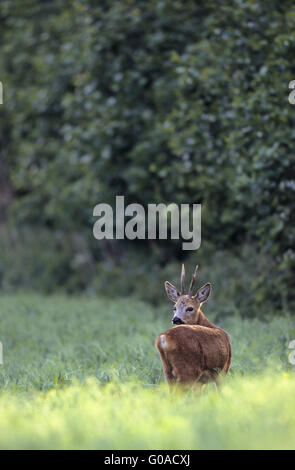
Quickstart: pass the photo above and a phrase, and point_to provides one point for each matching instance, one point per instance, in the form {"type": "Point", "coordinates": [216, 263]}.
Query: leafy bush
{"type": "Point", "coordinates": [160, 102]}
{"type": "Point", "coordinates": [47, 262]}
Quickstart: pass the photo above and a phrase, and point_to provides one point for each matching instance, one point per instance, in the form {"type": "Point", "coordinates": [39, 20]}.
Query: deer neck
{"type": "Point", "coordinates": [203, 321]}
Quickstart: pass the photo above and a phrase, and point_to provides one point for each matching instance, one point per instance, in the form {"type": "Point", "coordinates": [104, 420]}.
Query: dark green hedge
{"type": "Point", "coordinates": [162, 101]}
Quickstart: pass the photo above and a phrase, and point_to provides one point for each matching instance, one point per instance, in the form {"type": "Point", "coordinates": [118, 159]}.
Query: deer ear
{"type": "Point", "coordinates": [203, 293]}
{"type": "Point", "coordinates": [171, 291]}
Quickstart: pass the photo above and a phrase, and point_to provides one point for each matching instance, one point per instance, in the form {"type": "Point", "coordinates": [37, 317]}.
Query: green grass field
{"type": "Point", "coordinates": [84, 373]}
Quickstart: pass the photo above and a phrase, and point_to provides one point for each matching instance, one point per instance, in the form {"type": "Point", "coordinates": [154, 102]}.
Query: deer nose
{"type": "Point", "coordinates": [177, 321]}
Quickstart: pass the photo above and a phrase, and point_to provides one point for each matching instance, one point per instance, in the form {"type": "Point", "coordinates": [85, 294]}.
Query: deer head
{"type": "Point", "coordinates": [187, 307]}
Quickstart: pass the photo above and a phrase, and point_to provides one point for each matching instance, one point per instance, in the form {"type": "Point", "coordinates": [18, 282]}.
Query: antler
{"type": "Point", "coordinates": [193, 281]}
{"type": "Point", "coordinates": [182, 279]}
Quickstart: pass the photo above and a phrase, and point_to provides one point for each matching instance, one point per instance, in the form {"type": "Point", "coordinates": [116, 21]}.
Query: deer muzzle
{"type": "Point", "coordinates": [177, 321]}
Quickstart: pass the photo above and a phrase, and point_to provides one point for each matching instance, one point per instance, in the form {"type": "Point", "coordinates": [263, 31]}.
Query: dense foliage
{"type": "Point", "coordinates": [160, 101]}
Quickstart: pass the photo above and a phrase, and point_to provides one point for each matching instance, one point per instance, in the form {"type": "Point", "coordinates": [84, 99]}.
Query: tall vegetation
{"type": "Point", "coordinates": [84, 373]}
{"type": "Point", "coordinates": [160, 101]}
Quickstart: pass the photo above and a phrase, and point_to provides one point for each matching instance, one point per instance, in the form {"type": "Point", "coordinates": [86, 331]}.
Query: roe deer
{"type": "Point", "coordinates": [195, 350]}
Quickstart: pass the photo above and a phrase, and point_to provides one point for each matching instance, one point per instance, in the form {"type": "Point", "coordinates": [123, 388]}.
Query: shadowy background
{"type": "Point", "coordinates": [159, 101]}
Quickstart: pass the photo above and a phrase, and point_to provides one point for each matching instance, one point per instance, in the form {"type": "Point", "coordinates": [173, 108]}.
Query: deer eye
{"type": "Point", "coordinates": [174, 309]}
{"type": "Point", "coordinates": [189, 309]}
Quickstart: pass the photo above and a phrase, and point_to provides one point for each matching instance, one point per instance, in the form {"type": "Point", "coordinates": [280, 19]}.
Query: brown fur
{"type": "Point", "coordinates": [196, 350]}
